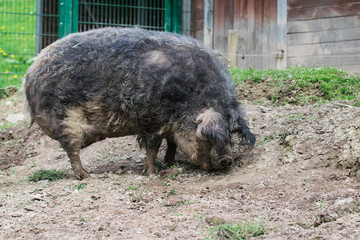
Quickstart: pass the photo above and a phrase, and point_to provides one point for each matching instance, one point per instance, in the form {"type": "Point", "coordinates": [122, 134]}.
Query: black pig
{"type": "Point", "coordinates": [114, 82]}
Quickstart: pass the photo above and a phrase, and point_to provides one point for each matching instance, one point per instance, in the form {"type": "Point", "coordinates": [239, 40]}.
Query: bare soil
{"type": "Point", "coordinates": [302, 180]}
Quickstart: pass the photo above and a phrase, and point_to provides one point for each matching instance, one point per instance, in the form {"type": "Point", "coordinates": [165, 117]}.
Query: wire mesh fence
{"type": "Point", "coordinates": [17, 39]}
{"type": "Point", "coordinates": [141, 13]}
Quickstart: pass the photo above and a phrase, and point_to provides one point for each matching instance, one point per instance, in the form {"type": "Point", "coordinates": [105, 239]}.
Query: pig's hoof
{"type": "Point", "coordinates": [148, 173]}
{"type": "Point", "coordinates": [82, 175]}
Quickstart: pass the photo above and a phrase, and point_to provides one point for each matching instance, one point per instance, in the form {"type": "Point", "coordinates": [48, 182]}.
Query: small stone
{"type": "Point", "coordinates": [14, 118]}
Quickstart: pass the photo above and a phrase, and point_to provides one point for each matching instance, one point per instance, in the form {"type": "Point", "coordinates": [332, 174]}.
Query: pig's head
{"type": "Point", "coordinates": [209, 146]}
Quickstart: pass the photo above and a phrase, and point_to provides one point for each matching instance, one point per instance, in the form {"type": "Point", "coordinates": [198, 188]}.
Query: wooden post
{"type": "Point", "coordinates": [281, 34]}
{"type": "Point", "coordinates": [208, 23]}
{"type": "Point", "coordinates": [39, 25]}
{"type": "Point", "coordinates": [233, 47]}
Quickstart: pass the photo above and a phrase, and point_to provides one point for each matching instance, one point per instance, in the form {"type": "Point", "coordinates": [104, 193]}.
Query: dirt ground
{"type": "Point", "coordinates": [302, 180]}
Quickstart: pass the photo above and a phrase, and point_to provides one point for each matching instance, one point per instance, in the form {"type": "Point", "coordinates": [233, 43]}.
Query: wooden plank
{"type": "Point", "coordinates": [265, 44]}
{"type": "Point", "coordinates": [324, 24]}
{"type": "Point", "coordinates": [241, 25]}
{"type": "Point", "coordinates": [318, 3]}
{"type": "Point", "coordinates": [259, 5]}
{"type": "Point", "coordinates": [351, 68]}
{"type": "Point", "coordinates": [323, 60]}
{"type": "Point", "coordinates": [209, 23]}
{"type": "Point", "coordinates": [272, 35]}
{"type": "Point", "coordinates": [232, 47]}
{"type": "Point", "coordinates": [324, 36]}
{"type": "Point", "coordinates": [250, 38]}
{"type": "Point", "coordinates": [223, 21]}
{"type": "Point", "coordinates": [281, 36]}
{"type": "Point", "coordinates": [197, 22]}
{"type": "Point", "coordinates": [333, 48]}
{"type": "Point", "coordinates": [296, 14]}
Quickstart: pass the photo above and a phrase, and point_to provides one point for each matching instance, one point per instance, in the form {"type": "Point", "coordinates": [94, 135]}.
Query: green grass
{"type": "Point", "coordinates": [301, 85]}
{"type": "Point", "coordinates": [17, 40]}
{"type": "Point", "coordinates": [51, 175]}
{"type": "Point", "coordinates": [240, 231]}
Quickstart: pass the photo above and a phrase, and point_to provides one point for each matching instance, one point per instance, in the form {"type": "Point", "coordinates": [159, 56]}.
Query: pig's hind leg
{"type": "Point", "coordinates": [170, 152]}
{"type": "Point", "coordinates": [77, 134]}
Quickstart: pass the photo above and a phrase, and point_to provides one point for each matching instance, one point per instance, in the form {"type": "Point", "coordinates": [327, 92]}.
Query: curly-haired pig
{"type": "Point", "coordinates": [114, 82]}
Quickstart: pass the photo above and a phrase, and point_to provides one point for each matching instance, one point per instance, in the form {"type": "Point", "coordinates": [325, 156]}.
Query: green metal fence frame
{"type": "Point", "coordinates": [69, 16]}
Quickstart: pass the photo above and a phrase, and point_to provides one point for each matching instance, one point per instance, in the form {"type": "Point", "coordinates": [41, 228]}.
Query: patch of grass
{"type": "Point", "coordinates": [300, 85]}
{"type": "Point", "coordinates": [238, 231]}
{"type": "Point", "coordinates": [51, 175]}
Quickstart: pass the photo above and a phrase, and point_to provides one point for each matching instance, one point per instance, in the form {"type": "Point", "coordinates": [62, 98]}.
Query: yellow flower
{"type": "Point", "coordinates": [4, 53]}
{"type": "Point", "coordinates": [25, 39]}
{"type": "Point", "coordinates": [12, 55]}
{"type": "Point", "coordinates": [6, 71]}
{"type": "Point", "coordinates": [16, 65]}
{"type": "Point", "coordinates": [1, 51]}
{"type": "Point", "coordinates": [24, 75]}
{"type": "Point", "coordinates": [15, 76]}
{"type": "Point", "coordinates": [22, 28]}
{"type": "Point", "coordinates": [2, 27]}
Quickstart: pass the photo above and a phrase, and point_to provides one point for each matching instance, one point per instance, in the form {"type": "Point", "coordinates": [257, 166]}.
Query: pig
{"type": "Point", "coordinates": [114, 82]}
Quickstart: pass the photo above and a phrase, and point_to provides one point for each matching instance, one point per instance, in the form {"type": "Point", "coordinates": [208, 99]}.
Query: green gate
{"type": "Point", "coordinates": [27, 26]}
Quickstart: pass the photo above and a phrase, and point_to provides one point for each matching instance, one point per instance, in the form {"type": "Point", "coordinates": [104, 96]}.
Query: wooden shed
{"type": "Point", "coordinates": [273, 34]}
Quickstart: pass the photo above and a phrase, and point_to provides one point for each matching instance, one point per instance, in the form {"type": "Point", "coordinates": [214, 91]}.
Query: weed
{"type": "Point", "coordinates": [13, 170]}
{"type": "Point", "coordinates": [266, 139]}
{"type": "Point", "coordinates": [182, 203]}
{"type": "Point", "coordinates": [295, 117]}
{"type": "Point", "coordinates": [159, 164]}
{"type": "Point", "coordinates": [172, 191]}
{"type": "Point", "coordinates": [80, 186]}
{"type": "Point", "coordinates": [82, 219]}
{"type": "Point", "coordinates": [132, 188]}
{"type": "Point", "coordinates": [165, 184]}
{"type": "Point", "coordinates": [172, 176]}
{"type": "Point", "coordinates": [198, 215]}
{"type": "Point", "coordinates": [238, 231]}
{"type": "Point", "coordinates": [51, 175]}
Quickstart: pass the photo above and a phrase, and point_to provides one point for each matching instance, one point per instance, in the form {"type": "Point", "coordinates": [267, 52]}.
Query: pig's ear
{"type": "Point", "coordinates": [212, 127]}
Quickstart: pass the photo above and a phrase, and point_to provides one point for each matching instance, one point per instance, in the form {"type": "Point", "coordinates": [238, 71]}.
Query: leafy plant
{"type": "Point", "coordinates": [51, 175]}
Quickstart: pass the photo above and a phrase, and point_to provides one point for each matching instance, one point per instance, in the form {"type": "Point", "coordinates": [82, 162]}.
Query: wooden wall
{"type": "Point", "coordinates": [255, 21]}
{"type": "Point", "coordinates": [324, 33]}
{"type": "Point", "coordinates": [197, 19]}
